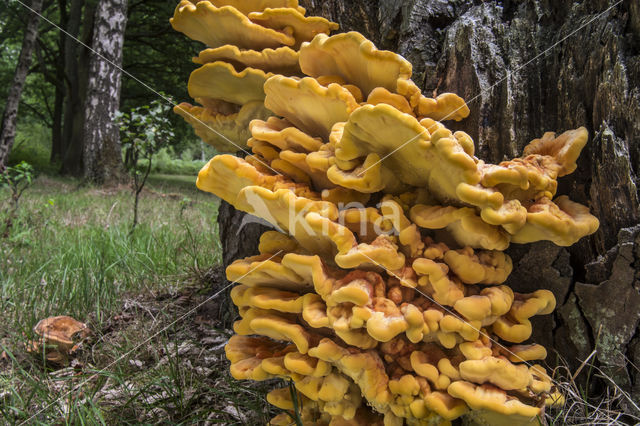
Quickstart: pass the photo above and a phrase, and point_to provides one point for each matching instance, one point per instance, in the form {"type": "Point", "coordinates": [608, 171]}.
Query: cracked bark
{"type": "Point", "coordinates": [521, 77]}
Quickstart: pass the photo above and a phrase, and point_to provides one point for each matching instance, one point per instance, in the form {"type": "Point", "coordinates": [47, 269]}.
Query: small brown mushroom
{"type": "Point", "coordinates": [58, 338]}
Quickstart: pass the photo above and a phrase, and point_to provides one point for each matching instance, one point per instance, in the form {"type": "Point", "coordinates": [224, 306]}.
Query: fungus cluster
{"type": "Point", "coordinates": [248, 41]}
{"type": "Point", "coordinates": [380, 294]}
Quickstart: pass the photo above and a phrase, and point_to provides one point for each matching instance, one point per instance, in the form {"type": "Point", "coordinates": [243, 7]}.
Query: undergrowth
{"type": "Point", "coordinates": [153, 356]}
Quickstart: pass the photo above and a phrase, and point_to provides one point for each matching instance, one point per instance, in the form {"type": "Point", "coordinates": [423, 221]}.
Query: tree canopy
{"type": "Point", "coordinates": [153, 54]}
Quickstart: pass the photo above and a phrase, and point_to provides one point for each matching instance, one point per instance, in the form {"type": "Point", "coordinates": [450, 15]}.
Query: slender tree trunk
{"type": "Point", "coordinates": [58, 108]}
{"type": "Point", "coordinates": [55, 79]}
{"type": "Point", "coordinates": [138, 186]}
{"type": "Point", "coordinates": [10, 116]}
{"type": "Point", "coordinates": [102, 152]}
{"type": "Point", "coordinates": [56, 128]}
{"type": "Point", "coordinates": [72, 101]}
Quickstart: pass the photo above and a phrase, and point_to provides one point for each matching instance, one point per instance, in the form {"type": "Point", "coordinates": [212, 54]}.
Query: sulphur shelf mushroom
{"type": "Point", "coordinates": [382, 291]}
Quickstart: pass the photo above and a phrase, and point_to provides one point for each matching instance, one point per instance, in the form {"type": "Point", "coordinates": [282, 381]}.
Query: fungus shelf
{"type": "Point", "coordinates": [381, 292]}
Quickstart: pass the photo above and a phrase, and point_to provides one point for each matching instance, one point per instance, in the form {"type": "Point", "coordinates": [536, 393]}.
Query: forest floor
{"type": "Point", "coordinates": [154, 354]}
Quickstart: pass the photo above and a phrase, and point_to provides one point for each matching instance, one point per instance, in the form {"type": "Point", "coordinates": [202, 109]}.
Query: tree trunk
{"type": "Point", "coordinates": [102, 152]}
{"type": "Point", "coordinates": [56, 128]}
{"type": "Point", "coordinates": [58, 109]}
{"type": "Point", "coordinates": [70, 52]}
{"type": "Point", "coordinates": [520, 77]}
{"type": "Point", "coordinates": [10, 115]}
{"type": "Point", "coordinates": [73, 128]}
{"type": "Point", "coordinates": [73, 151]}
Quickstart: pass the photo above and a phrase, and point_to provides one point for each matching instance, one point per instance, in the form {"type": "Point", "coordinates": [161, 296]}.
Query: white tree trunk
{"type": "Point", "coordinates": [10, 116]}
{"type": "Point", "coordinates": [102, 153]}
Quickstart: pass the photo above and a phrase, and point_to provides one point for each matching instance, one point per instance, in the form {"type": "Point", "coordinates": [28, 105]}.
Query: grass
{"type": "Point", "coordinates": [609, 406]}
{"type": "Point", "coordinates": [71, 247]}
{"type": "Point", "coordinates": [154, 355]}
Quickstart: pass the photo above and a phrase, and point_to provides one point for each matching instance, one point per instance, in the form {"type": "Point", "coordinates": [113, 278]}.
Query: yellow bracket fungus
{"type": "Point", "coordinates": [382, 292]}
{"type": "Point", "coordinates": [356, 60]}
{"type": "Point", "coordinates": [307, 104]}
{"type": "Point", "coordinates": [228, 132]}
{"type": "Point", "coordinates": [291, 21]}
{"type": "Point", "coordinates": [219, 80]}
{"type": "Point", "coordinates": [217, 26]}
{"type": "Point", "coordinates": [282, 60]}
{"type": "Point", "coordinates": [247, 6]}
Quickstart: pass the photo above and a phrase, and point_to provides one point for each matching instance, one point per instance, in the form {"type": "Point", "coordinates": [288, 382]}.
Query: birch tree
{"type": "Point", "coordinates": [102, 152]}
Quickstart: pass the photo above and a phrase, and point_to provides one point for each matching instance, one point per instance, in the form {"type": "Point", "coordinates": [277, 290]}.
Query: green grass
{"type": "Point", "coordinates": [70, 252]}
{"type": "Point", "coordinates": [155, 355]}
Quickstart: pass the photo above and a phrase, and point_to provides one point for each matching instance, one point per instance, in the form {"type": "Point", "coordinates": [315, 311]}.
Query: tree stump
{"type": "Point", "coordinates": [525, 68]}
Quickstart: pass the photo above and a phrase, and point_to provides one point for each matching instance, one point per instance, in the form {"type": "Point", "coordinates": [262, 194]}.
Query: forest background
{"type": "Point", "coordinates": [51, 111]}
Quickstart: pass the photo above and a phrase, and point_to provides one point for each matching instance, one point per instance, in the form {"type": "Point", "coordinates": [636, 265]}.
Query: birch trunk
{"type": "Point", "coordinates": [102, 153]}
{"type": "Point", "coordinates": [10, 115]}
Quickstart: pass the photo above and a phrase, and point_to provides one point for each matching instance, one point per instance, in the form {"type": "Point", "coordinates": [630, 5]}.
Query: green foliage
{"type": "Point", "coordinates": [10, 42]}
{"type": "Point", "coordinates": [165, 162]}
{"type": "Point", "coordinates": [165, 156]}
{"type": "Point", "coordinates": [144, 130]}
{"type": "Point", "coordinates": [33, 145]}
{"type": "Point", "coordinates": [161, 57]}
{"type": "Point", "coordinates": [179, 167]}
{"type": "Point", "coordinates": [153, 52]}
{"type": "Point", "coordinates": [16, 179]}
{"type": "Point", "coordinates": [36, 102]}
{"type": "Point", "coordinates": [187, 155]}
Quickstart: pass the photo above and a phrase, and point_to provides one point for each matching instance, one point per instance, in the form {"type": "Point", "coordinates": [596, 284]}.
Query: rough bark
{"type": "Point", "coordinates": [73, 140]}
{"type": "Point", "coordinates": [521, 77]}
{"type": "Point", "coordinates": [10, 115]}
{"type": "Point", "coordinates": [101, 152]}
